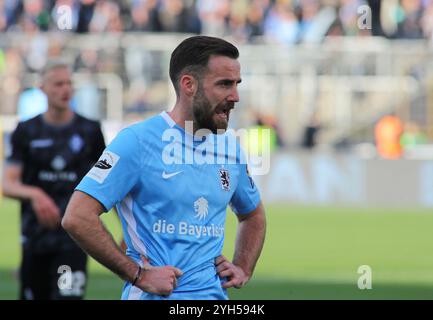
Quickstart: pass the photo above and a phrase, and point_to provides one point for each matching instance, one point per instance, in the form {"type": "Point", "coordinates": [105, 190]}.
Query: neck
{"type": "Point", "coordinates": [180, 114]}
{"type": "Point", "coordinates": [58, 116]}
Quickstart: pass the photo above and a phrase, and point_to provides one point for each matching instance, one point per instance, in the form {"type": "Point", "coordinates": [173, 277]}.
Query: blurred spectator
{"type": "Point", "coordinates": [348, 15]}
{"type": "Point", "coordinates": [315, 20]}
{"type": "Point", "coordinates": [270, 121]}
{"type": "Point", "coordinates": [237, 20]}
{"type": "Point", "coordinates": [106, 17]}
{"type": "Point", "coordinates": [238, 27]}
{"type": "Point", "coordinates": [255, 143]}
{"type": "Point", "coordinates": [256, 17]}
{"type": "Point", "coordinates": [87, 60]}
{"type": "Point", "coordinates": [85, 15]}
{"type": "Point", "coordinates": [3, 17]}
{"type": "Point", "coordinates": [36, 15]}
{"type": "Point", "coordinates": [138, 97]}
{"type": "Point", "coordinates": [412, 136]}
{"type": "Point", "coordinates": [260, 140]}
{"type": "Point", "coordinates": [10, 10]}
{"type": "Point", "coordinates": [173, 16]}
{"type": "Point", "coordinates": [311, 131]}
{"type": "Point", "coordinates": [144, 14]}
{"type": "Point", "coordinates": [388, 133]}
{"type": "Point", "coordinates": [427, 22]}
{"type": "Point", "coordinates": [281, 24]}
{"type": "Point", "coordinates": [376, 13]}
{"type": "Point", "coordinates": [37, 52]}
{"type": "Point", "coordinates": [214, 16]}
{"type": "Point", "coordinates": [409, 17]}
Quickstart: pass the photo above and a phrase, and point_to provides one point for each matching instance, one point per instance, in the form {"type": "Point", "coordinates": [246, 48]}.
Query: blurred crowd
{"type": "Point", "coordinates": [285, 21]}
{"type": "Point", "coordinates": [29, 39]}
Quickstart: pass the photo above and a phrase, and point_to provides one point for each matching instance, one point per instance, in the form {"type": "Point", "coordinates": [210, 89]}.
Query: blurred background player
{"type": "Point", "coordinates": [50, 154]}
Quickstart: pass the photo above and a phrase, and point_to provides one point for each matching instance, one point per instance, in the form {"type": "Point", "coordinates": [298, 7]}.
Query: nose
{"type": "Point", "coordinates": [234, 95]}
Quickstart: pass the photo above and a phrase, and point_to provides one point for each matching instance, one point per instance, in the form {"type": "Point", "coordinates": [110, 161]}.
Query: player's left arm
{"type": "Point", "coordinates": [249, 243]}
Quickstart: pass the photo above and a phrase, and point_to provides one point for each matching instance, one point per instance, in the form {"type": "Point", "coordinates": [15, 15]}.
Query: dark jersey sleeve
{"type": "Point", "coordinates": [99, 143]}
{"type": "Point", "coordinates": [18, 146]}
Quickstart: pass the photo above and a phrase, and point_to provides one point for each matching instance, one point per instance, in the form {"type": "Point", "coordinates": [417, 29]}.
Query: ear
{"type": "Point", "coordinates": [188, 85]}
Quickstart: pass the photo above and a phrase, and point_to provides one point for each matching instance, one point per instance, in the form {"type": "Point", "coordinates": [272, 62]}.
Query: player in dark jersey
{"type": "Point", "coordinates": [50, 155]}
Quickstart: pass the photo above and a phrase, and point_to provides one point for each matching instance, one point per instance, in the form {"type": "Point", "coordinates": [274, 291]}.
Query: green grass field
{"type": "Point", "coordinates": [310, 253]}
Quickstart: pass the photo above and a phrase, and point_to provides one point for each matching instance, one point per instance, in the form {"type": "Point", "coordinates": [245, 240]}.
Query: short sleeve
{"type": "Point", "coordinates": [115, 173]}
{"type": "Point", "coordinates": [19, 146]}
{"type": "Point", "coordinates": [246, 197]}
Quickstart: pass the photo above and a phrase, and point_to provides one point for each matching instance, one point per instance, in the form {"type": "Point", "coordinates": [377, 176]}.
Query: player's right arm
{"type": "Point", "coordinates": [47, 212]}
{"type": "Point", "coordinates": [106, 184]}
{"type": "Point", "coordinates": [82, 222]}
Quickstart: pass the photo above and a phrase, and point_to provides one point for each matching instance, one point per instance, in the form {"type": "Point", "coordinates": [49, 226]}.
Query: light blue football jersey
{"type": "Point", "coordinates": [171, 193]}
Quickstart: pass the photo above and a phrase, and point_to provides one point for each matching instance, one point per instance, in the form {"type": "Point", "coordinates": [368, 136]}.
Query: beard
{"type": "Point", "coordinates": [206, 117]}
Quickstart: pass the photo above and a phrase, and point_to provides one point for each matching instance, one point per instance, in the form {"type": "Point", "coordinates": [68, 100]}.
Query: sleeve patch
{"type": "Point", "coordinates": [103, 167]}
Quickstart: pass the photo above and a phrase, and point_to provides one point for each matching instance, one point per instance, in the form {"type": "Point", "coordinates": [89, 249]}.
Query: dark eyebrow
{"type": "Point", "coordinates": [228, 81]}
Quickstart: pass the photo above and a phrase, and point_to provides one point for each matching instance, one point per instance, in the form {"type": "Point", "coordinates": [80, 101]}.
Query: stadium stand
{"type": "Point", "coordinates": [301, 56]}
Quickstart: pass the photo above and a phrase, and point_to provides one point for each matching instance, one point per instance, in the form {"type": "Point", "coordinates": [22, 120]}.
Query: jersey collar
{"type": "Point", "coordinates": [171, 123]}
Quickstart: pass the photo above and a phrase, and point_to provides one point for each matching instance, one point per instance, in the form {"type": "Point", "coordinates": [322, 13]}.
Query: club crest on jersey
{"type": "Point", "coordinates": [76, 143]}
{"type": "Point", "coordinates": [225, 179]}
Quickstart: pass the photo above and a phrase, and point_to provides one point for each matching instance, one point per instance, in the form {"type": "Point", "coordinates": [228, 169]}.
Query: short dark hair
{"type": "Point", "coordinates": [192, 56]}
